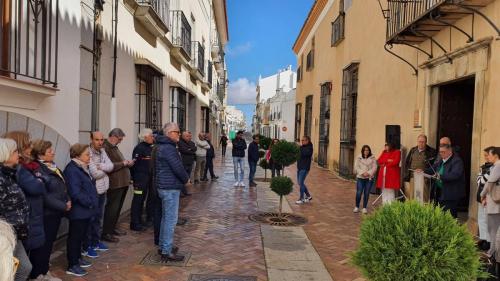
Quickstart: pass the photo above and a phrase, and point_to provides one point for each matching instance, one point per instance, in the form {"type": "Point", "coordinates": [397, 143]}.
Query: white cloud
{"type": "Point", "coordinates": [242, 91]}
{"type": "Point", "coordinates": [239, 49]}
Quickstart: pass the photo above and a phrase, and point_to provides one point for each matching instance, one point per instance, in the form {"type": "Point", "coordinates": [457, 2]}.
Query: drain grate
{"type": "Point", "coordinates": [153, 258]}
{"type": "Point", "coordinates": [274, 219]}
{"type": "Point", "coordinates": [204, 277]}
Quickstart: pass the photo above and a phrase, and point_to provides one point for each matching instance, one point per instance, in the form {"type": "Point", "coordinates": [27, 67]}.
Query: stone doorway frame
{"type": "Point", "coordinates": [471, 60]}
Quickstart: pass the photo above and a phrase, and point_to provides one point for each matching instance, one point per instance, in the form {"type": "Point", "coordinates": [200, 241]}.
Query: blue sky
{"type": "Point", "coordinates": [261, 35]}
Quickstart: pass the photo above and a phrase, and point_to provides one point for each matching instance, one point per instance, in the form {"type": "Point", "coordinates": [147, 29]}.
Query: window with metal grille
{"type": "Point", "coordinates": [178, 107]}
{"type": "Point", "coordinates": [149, 98]}
{"type": "Point", "coordinates": [310, 60]}
{"type": "Point", "coordinates": [308, 116]}
{"type": "Point", "coordinates": [29, 38]}
{"type": "Point", "coordinates": [338, 29]}
{"type": "Point", "coordinates": [348, 120]}
{"type": "Point", "coordinates": [298, 115]}
{"type": "Point", "coordinates": [205, 119]}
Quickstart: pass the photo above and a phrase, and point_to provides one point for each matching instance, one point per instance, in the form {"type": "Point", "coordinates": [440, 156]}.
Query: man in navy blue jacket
{"type": "Point", "coordinates": [169, 177]}
{"type": "Point", "coordinates": [253, 158]}
{"type": "Point", "coordinates": [239, 146]}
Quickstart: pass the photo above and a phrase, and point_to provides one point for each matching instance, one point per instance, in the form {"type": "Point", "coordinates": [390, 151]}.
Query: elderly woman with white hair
{"type": "Point", "coordinates": [141, 176]}
{"type": "Point", "coordinates": [13, 206]}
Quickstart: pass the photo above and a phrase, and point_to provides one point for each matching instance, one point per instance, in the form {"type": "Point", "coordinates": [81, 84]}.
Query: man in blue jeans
{"type": "Point", "coordinates": [253, 158]}
{"type": "Point", "coordinates": [239, 146]}
{"type": "Point", "coordinates": [169, 178]}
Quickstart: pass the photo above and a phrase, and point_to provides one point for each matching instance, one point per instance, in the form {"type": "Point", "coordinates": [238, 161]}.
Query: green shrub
{"type": "Point", "coordinates": [262, 153]}
{"type": "Point", "coordinates": [411, 242]}
{"type": "Point", "coordinates": [281, 186]}
{"type": "Point", "coordinates": [264, 165]}
{"type": "Point", "coordinates": [285, 153]}
{"type": "Point", "coordinates": [264, 142]}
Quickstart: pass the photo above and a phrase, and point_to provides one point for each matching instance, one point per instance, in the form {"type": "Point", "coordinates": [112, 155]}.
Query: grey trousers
{"type": "Point", "coordinates": [24, 269]}
{"type": "Point", "coordinates": [493, 224]}
{"type": "Point", "coordinates": [200, 167]}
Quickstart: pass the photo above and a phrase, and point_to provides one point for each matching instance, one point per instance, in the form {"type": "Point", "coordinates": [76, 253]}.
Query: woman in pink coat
{"type": "Point", "coordinates": [389, 175]}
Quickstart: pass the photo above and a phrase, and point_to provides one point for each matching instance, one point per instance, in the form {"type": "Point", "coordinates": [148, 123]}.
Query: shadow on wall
{"type": "Point", "coordinates": [10, 121]}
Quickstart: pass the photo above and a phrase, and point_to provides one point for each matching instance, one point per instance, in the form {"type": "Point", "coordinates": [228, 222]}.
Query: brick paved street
{"type": "Point", "coordinates": [223, 241]}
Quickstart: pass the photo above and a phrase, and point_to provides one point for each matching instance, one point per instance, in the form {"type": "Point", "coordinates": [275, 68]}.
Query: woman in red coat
{"type": "Point", "coordinates": [389, 173]}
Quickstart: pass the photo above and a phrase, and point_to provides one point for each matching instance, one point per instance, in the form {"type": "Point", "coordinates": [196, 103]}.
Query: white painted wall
{"type": "Point", "coordinates": [284, 79]}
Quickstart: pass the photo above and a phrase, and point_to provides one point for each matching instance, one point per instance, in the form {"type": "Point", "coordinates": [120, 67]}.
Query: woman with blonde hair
{"type": "Point", "coordinates": [13, 206]}
{"type": "Point", "coordinates": [7, 245]}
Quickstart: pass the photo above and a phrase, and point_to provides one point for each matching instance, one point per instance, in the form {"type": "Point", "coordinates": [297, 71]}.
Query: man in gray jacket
{"type": "Point", "coordinates": [201, 157]}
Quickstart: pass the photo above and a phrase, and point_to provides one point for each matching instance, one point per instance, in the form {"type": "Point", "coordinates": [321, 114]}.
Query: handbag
{"type": "Point", "coordinates": [495, 191]}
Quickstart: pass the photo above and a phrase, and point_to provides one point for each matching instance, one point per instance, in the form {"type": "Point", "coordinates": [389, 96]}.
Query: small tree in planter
{"type": "Point", "coordinates": [264, 142]}
{"type": "Point", "coordinates": [281, 186]}
{"type": "Point", "coordinates": [411, 242]}
{"type": "Point", "coordinates": [262, 153]}
{"type": "Point", "coordinates": [285, 153]}
{"type": "Point", "coordinates": [264, 165]}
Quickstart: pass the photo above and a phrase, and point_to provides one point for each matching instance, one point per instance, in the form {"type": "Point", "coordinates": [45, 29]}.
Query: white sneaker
{"type": "Point", "coordinates": [356, 210]}
{"type": "Point", "coordinates": [50, 277]}
{"type": "Point", "coordinates": [242, 184]}
{"type": "Point", "coordinates": [236, 184]}
{"type": "Point", "coordinates": [365, 211]}
{"type": "Point", "coordinates": [300, 202]}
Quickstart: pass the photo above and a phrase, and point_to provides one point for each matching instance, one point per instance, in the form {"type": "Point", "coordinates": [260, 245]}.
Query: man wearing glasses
{"type": "Point", "coordinates": [169, 178]}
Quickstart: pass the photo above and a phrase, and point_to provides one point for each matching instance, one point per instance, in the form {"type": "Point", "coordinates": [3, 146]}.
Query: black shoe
{"type": "Point", "coordinates": [182, 221]}
{"type": "Point", "coordinates": [119, 232]}
{"type": "Point", "coordinates": [215, 177]}
{"type": "Point", "coordinates": [175, 249]}
{"type": "Point", "coordinates": [110, 238]}
{"type": "Point", "coordinates": [147, 224]}
{"type": "Point", "coordinates": [138, 227]}
{"type": "Point", "coordinates": [172, 258]}
{"type": "Point", "coordinates": [204, 180]}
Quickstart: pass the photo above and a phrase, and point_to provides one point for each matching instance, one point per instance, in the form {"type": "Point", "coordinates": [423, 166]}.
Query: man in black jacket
{"type": "Point", "coordinates": [239, 146]}
{"type": "Point", "coordinates": [253, 158]}
{"type": "Point", "coordinates": [450, 178]}
{"type": "Point", "coordinates": [209, 167]}
{"type": "Point", "coordinates": [187, 149]}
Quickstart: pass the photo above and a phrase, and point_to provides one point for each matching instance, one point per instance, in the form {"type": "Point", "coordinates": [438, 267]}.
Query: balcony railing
{"type": "Point", "coordinates": [29, 37]}
{"type": "Point", "coordinates": [198, 57]}
{"type": "Point", "coordinates": [209, 73]}
{"type": "Point", "coordinates": [181, 32]}
{"type": "Point", "coordinates": [221, 92]}
{"type": "Point", "coordinates": [161, 8]}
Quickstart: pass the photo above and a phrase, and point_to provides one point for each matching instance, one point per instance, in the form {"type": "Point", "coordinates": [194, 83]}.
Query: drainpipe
{"type": "Point", "coordinates": [113, 97]}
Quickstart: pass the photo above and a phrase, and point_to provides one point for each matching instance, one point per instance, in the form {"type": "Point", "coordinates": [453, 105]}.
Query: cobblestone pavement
{"type": "Point", "coordinates": [332, 228]}
{"type": "Point", "coordinates": [219, 235]}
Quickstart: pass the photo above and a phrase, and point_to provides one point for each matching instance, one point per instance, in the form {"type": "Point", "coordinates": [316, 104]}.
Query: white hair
{"type": "Point", "coordinates": [7, 245]}
{"type": "Point", "coordinates": [169, 127]}
{"type": "Point", "coordinates": [144, 133]}
{"type": "Point", "coordinates": [7, 147]}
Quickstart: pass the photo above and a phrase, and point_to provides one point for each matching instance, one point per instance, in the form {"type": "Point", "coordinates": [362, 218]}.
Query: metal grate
{"type": "Point", "coordinates": [348, 120]}
{"type": "Point", "coordinates": [324, 124]}
{"type": "Point", "coordinates": [274, 219]}
{"type": "Point", "coordinates": [181, 32]}
{"type": "Point", "coordinates": [308, 116]}
{"type": "Point", "coordinates": [153, 258]}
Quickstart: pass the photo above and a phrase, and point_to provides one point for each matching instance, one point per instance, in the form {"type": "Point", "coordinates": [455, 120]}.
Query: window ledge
{"type": "Point", "coordinates": [22, 94]}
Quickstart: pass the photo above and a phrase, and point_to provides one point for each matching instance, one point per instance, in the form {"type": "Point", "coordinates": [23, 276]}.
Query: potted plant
{"type": "Point", "coordinates": [264, 165]}
{"type": "Point", "coordinates": [281, 186]}
{"type": "Point", "coordinates": [264, 142]}
{"type": "Point", "coordinates": [410, 241]}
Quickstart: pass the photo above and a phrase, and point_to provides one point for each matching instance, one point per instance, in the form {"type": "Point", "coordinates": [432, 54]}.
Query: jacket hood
{"type": "Point", "coordinates": [164, 140]}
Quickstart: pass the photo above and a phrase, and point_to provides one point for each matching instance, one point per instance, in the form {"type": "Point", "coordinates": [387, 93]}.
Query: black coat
{"type": "Point", "coordinates": [430, 155]}
{"type": "Point", "coordinates": [210, 151]}
{"type": "Point", "coordinates": [187, 151]}
{"type": "Point", "coordinates": [239, 146]}
{"type": "Point", "coordinates": [253, 152]}
{"type": "Point", "coordinates": [56, 197]}
{"type": "Point", "coordinates": [141, 171]}
{"type": "Point", "coordinates": [453, 178]}
{"type": "Point", "coordinates": [13, 205]}
{"type": "Point", "coordinates": [306, 152]}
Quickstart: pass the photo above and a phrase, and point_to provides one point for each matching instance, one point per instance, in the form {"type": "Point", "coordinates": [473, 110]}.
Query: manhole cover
{"type": "Point", "coordinates": [274, 219]}
{"type": "Point", "coordinates": [153, 258]}
{"type": "Point", "coordinates": [203, 277]}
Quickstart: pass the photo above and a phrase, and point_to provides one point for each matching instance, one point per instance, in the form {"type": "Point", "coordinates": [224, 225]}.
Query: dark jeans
{"type": "Point", "coordinates": [140, 193]}
{"type": "Point", "coordinates": [450, 205]}
{"type": "Point", "coordinates": [209, 167]}
{"type": "Point", "coordinates": [95, 224]}
{"type": "Point", "coordinates": [253, 168]}
{"type": "Point", "coordinates": [363, 187]}
{"type": "Point", "coordinates": [150, 208]}
{"type": "Point", "coordinates": [301, 178]}
{"type": "Point", "coordinates": [114, 204]}
{"type": "Point", "coordinates": [275, 171]}
{"type": "Point", "coordinates": [76, 235]}
{"type": "Point", "coordinates": [224, 150]}
{"type": "Point", "coordinates": [40, 257]}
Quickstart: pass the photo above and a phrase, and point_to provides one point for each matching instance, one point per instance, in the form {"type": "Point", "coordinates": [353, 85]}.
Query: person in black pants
{"type": "Point", "coordinates": [56, 203]}
{"type": "Point", "coordinates": [209, 167]}
{"type": "Point", "coordinates": [187, 148]}
{"type": "Point", "coordinates": [83, 194]}
{"type": "Point", "coordinates": [141, 176]}
{"type": "Point", "coordinates": [223, 143]}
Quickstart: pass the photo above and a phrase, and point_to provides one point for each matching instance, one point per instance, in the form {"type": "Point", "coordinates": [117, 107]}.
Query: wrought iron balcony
{"type": "Point", "coordinates": [153, 14]}
{"type": "Point", "coordinates": [198, 60]}
{"type": "Point", "coordinates": [207, 83]}
{"type": "Point", "coordinates": [414, 21]}
{"type": "Point", "coordinates": [181, 36]}
{"type": "Point", "coordinates": [29, 32]}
